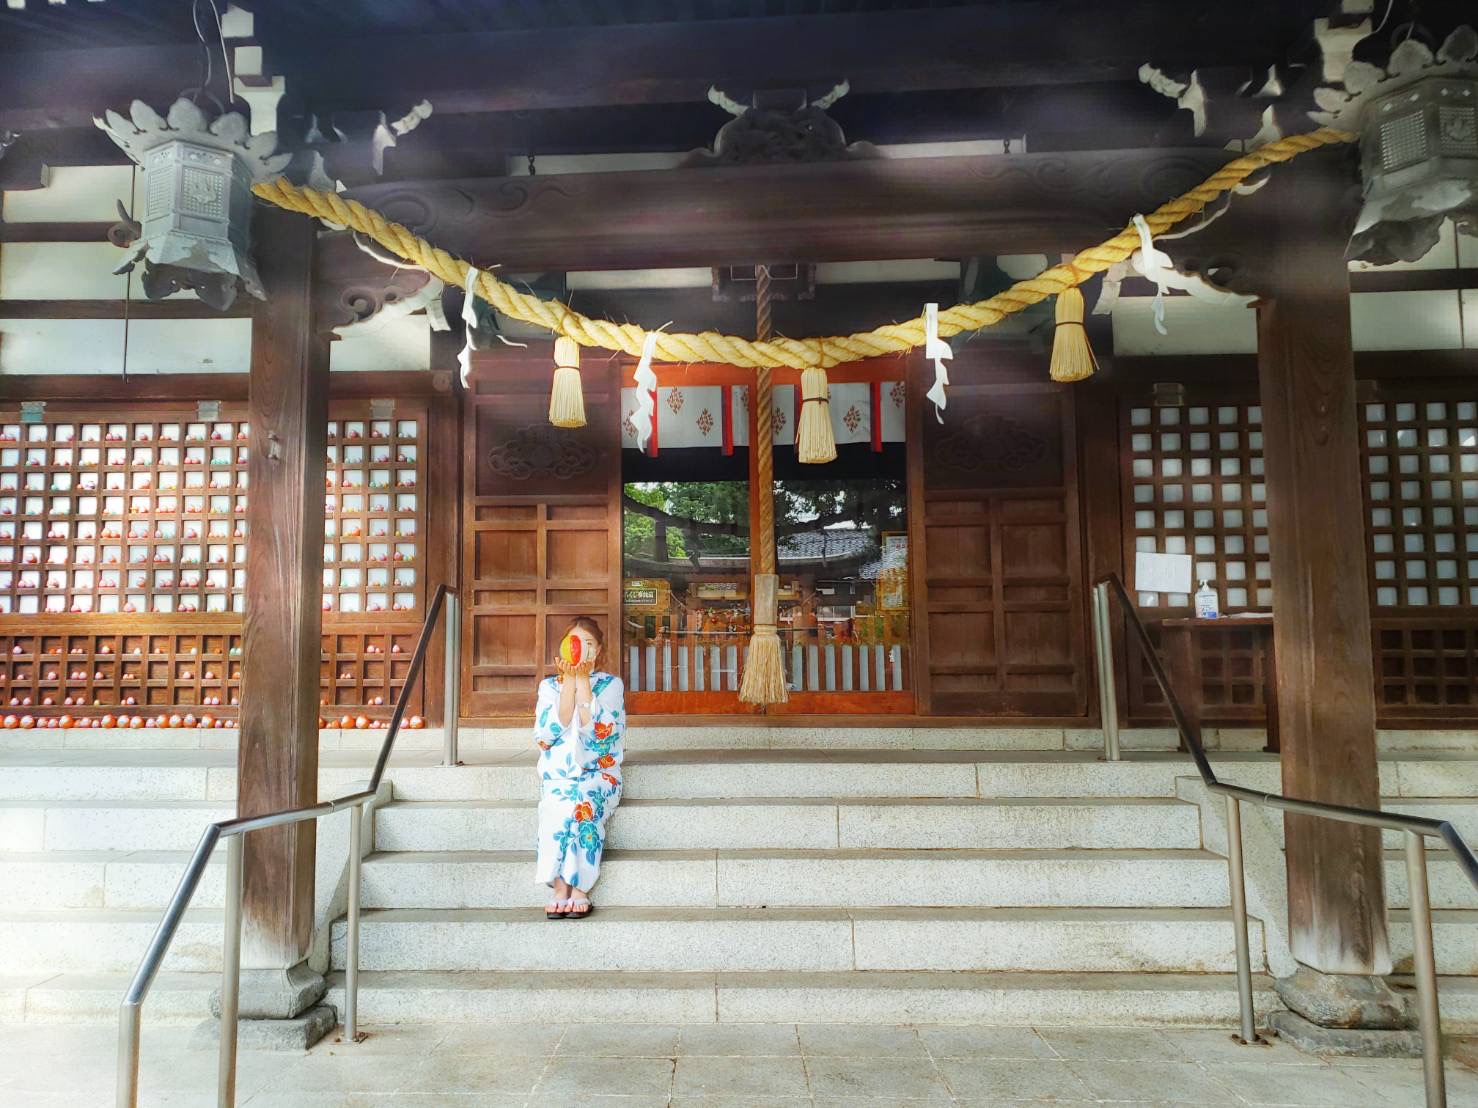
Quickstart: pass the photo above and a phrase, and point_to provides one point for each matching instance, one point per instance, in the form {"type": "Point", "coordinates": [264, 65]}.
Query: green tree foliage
{"type": "Point", "coordinates": [873, 505]}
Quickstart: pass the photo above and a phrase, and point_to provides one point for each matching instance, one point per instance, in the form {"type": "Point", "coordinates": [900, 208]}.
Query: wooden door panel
{"type": "Point", "coordinates": [542, 530]}
{"type": "Point", "coordinates": [1002, 580]}
{"type": "Point", "coordinates": [577, 555]}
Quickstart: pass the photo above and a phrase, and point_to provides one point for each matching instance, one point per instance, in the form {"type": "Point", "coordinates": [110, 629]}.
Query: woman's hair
{"type": "Point", "coordinates": [588, 625]}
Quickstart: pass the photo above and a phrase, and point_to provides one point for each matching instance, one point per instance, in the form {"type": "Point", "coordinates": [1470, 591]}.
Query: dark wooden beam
{"type": "Point", "coordinates": [835, 309]}
{"type": "Point", "coordinates": [1101, 115]}
{"type": "Point", "coordinates": [183, 308]}
{"type": "Point", "coordinates": [1395, 280]}
{"type": "Point", "coordinates": [973, 46]}
{"type": "Point", "coordinates": [25, 165]}
{"type": "Point", "coordinates": [1217, 370]}
{"type": "Point", "coordinates": [1413, 280]}
{"type": "Point", "coordinates": [277, 759]}
{"type": "Point", "coordinates": [54, 232]}
{"type": "Point", "coordinates": [44, 89]}
{"type": "Point", "coordinates": [1321, 592]}
{"type": "Point", "coordinates": [835, 211]}
{"type": "Point", "coordinates": [1001, 45]}
{"type": "Point", "coordinates": [154, 387]}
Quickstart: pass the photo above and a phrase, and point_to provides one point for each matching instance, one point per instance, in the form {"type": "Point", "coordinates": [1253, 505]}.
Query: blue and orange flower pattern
{"type": "Point", "coordinates": [579, 780]}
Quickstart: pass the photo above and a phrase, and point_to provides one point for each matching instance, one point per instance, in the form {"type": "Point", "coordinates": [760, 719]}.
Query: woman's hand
{"type": "Point", "coordinates": [564, 669]}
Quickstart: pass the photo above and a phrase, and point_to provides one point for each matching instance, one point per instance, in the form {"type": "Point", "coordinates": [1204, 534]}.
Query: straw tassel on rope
{"type": "Point", "coordinates": [764, 668]}
{"type": "Point", "coordinates": [1072, 357]}
{"type": "Point", "coordinates": [566, 399]}
{"type": "Point", "coordinates": [814, 441]}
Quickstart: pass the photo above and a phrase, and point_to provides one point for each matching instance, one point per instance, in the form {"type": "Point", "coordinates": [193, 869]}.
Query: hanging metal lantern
{"type": "Point", "coordinates": [197, 178]}
{"type": "Point", "coordinates": [1418, 126]}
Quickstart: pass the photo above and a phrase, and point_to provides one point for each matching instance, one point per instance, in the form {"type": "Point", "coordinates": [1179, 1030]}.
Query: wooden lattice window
{"type": "Point", "coordinates": [1195, 486]}
{"type": "Point", "coordinates": [139, 516]}
{"type": "Point", "coordinates": [105, 515]}
{"type": "Point", "coordinates": [1419, 456]}
{"type": "Point", "coordinates": [1421, 485]}
{"type": "Point", "coordinates": [373, 504]}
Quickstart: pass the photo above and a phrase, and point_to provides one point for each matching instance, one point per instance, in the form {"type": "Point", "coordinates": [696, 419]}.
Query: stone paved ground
{"type": "Point", "coordinates": [465, 1065]}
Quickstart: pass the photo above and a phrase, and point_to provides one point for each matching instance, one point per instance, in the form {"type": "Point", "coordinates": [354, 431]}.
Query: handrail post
{"type": "Point", "coordinates": [1237, 879]}
{"type": "Point", "coordinates": [1426, 971]}
{"type": "Point", "coordinates": [351, 952]}
{"type": "Point", "coordinates": [1103, 646]}
{"type": "Point", "coordinates": [451, 699]}
{"type": "Point", "coordinates": [231, 972]}
{"type": "Point", "coordinates": [128, 1055]}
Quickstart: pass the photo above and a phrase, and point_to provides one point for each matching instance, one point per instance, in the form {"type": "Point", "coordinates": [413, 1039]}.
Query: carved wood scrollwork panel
{"type": "Point", "coordinates": [517, 452]}
{"type": "Point", "coordinates": [995, 441]}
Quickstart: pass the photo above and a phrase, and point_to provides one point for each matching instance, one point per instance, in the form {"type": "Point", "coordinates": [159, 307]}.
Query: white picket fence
{"type": "Point", "coordinates": [687, 664]}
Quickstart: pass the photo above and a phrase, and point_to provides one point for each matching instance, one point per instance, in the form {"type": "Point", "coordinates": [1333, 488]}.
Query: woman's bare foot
{"type": "Point", "coordinates": [579, 903]}
{"type": "Point", "coordinates": [558, 901]}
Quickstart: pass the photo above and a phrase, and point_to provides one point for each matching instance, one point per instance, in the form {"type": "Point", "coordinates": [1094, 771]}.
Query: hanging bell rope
{"type": "Point", "coordinates": [770, 352]}
{"type": "Point", "coordinates": [566, 398]}
{"type": "Point", "coordinates": [764, 667]}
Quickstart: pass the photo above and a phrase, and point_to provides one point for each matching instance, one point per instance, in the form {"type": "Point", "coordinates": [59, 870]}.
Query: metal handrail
{"type": "Point", "coordinates": [1416, 829]}
{"type": "Point", "coordinates": [234, 831]}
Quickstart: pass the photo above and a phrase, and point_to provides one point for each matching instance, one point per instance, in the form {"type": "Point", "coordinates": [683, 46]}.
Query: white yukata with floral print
{"type": "Point", "coordinates": [579, 780]}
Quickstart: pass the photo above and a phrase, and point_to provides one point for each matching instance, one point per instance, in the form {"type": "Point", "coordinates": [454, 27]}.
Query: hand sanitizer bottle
{"type": "Point", "coordinates": [1206, 602]}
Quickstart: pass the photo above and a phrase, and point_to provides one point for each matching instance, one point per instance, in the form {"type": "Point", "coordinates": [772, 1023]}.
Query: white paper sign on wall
{"type": "Point", "coordinates": [1162, 572]}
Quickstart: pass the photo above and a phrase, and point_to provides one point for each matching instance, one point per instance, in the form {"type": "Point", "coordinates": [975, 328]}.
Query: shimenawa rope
{"type": "Point", "coordinates": [710, 346]}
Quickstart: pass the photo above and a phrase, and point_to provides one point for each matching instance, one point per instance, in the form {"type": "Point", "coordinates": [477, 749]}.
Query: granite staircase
{"type": "Point", "coordinates": [744, 885]}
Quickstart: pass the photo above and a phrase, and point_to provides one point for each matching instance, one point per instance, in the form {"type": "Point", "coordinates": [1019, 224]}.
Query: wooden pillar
{"type": "Point", "coordinates": [1096, 416]}
{"type": "Point", "coordinates": [277, 760]}
{"type": "Point", "coordinates": [1326, 694]}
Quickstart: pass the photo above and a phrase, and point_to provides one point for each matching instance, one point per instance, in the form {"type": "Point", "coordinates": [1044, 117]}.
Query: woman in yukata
{"type": "Point", "coordinates": [579, 724]}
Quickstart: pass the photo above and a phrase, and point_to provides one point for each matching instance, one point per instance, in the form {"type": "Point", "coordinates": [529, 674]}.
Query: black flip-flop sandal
{"type": "Point", "coordinates": [581, 915]}
{"type": "Point", "coordinates": [557, 915]}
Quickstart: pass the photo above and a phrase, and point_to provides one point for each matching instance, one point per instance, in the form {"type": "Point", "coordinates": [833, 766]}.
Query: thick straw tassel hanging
{"type": "Point", "coordinates": [764, 668]}
{"type": "Point", "coordinates": [814, 441]}
{"type": "Point", "coordinates": [1072, 357]}
{"type": "Point", "coordinates": [566, 400]}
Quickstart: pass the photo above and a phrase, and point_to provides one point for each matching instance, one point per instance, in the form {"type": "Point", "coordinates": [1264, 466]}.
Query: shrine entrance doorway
{"type": "Point", "coordinates": [689, 496]}
{"type": "Point", "coordinates": [933, 569]}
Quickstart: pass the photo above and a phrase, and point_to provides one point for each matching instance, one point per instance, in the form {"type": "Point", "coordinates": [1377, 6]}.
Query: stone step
{"type": "Point", "coordinates": [47, 880]}
{"type": "Point", "coordinates": [177, 999]}
{"type": "Point", "coordinates": [211, 774]}
{"type": "Point", "coordinates": [747, 732]}
{"type": "Point", "coordinates": [665, 940]}
{"type": "Point", "coordinates": [145, 879]}
{"type": "Point", "coordinates": [1447, 884]}
{"type": "Point", "coordinates": [801, 878]}
{"type": "Point", "coordinates": [1046, 999]}
{"type": "Point", "coordinates": [1454, 941]}
{"type": "Point", "coordinates": [851, 997]}
{"type": "Point", "coordinates": [104, 941]}
{"type": "Point", "coordinates": [809, 824]}
{"type": "Point", "coordinates": [27, 825]}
